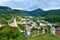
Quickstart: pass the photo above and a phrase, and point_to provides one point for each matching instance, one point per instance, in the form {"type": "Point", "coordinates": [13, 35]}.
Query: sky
{"type": "Point", "coordinates": [31, 4]}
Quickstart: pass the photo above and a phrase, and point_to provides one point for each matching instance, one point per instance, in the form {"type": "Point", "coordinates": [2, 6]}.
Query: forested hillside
{"type": "Point", "coordinates": [7, 13]}
{"type": "Point", "coordinates": [13, 33]}
{"type": "Point", "coordinates": [53, 15]}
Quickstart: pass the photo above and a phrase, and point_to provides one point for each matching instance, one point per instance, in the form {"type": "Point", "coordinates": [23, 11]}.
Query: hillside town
{"type": "Point", "coordinates": [29, 19]}
{"type": "Point", "coordinates": [39, 26]}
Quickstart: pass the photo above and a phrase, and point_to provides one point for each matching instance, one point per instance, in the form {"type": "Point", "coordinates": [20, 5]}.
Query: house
{"type": "Point", "coordinates": [44, 27]}
{"type": "Point", "coordinates": [13, 24]}
{"type": "Point", "coordinates": [57, 29]}
{"type": "Point", "coordinates": [29, 17]}
{"type": "Point", "coordinates": [1, 25]}
{"type": "Point", "coordinates": [22, 21]}
{"type": "Point", "coordinates": [53, 30]}
{"type": "Point", "coordinates": [27, 30]}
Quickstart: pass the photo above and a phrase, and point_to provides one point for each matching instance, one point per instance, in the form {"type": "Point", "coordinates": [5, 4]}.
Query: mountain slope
{"type": "Point", "coordinates": [52, 15]}
{"type": "Point", "coordinates": [37, 12]}
{"type": "Point", "coordinates": [7, 13]}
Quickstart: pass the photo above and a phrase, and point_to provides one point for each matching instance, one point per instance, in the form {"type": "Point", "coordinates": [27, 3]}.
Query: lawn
{"type": "Point", "coordinates": [46, 36]}
{"type": "Point", "coordinates": [9, 33]}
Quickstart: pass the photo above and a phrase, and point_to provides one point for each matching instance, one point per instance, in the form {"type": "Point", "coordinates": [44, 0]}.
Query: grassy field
{"type": "Point", "coordinates": [45, 37]}
{"type": "Point", "coordinates": [9, 33]}
{"type": "Point", "coordinates": [40, 37]}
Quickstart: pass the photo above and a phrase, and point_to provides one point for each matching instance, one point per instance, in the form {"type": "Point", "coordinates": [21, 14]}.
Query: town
{"type": "Point", "coordinates": [34, 27]}
{"type": "Point", "coordinates": [29, 19]}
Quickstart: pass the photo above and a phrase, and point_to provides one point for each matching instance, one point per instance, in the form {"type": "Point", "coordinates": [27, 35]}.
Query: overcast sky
{"type": "Point", "coordinates": [31, 4]}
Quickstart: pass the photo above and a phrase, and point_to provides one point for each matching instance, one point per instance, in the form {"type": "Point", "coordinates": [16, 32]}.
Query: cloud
{"type": "Point", "coordinates": [31, 4]}
{"type": "Point", "coordinates": [24, 4]}
{"type": "Point", "coordinates": [2, 2]}
{"type": "Point", "coordinates": [52, 4]}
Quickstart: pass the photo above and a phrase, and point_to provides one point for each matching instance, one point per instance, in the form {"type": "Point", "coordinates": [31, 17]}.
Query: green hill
{"type": "Point", "coordinates": [52, 15]}
{"type": "Point", "coordinates": [7, 13]}
{"type": "Point", "coordinates": [9, 33]}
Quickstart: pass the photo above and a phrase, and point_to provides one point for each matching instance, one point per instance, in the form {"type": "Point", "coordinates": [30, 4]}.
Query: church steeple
{"type": "Point", "coordinates": [15, 23]}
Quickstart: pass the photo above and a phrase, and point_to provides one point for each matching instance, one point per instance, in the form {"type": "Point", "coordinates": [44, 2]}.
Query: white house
{"type": "Point", "coordinates": [53, 30]}
{"type": "Point", "coordinates": [13, 24]}
{"type": "Point", "coordinates": [22, 21]}
{"type": "Point", "coordinates": [27, 30]}
{"type": "Point", "coordinates": [1, 25]}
